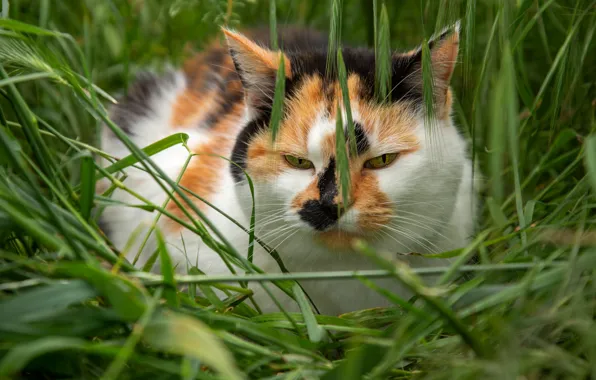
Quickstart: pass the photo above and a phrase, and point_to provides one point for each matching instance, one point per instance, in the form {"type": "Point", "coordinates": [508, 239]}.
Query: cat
{"type": "Point", "coordinates": [411, 190]}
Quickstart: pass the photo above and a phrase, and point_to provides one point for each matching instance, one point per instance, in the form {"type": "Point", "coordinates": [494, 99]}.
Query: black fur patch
{"type": "Point", "coordinates": [327, 184]}
{"type": "Point", "coordinates": [136, 103]}
{"type": "Point", "coordinates": [359, 61]}
{"type": "Point", "coordinates": [240, 150]}
{"type": "Point", "coordinates": [362, 144]}
{"type": "Point", "coordinates": [229, 100]}
{"type": "Point", "coordinates": [319, 216]}
{"type": "Point", "coordinates": [323, 213]}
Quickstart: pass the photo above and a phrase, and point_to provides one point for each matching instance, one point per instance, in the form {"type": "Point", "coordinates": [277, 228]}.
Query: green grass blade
{"type": "Point", "coordinates": [127, 298]}
{"type": "Point", "coordinates": [117, 365]}
{"type": "Point", "coordinates": [18, 26]}
{"type": "Point", "coordinates": [335, 30]}
{"type": "Point", "coordinates": [31, 129]}
{"type": "Point", "coordinates": [87, 185]}
{"type": "Point", "coordinates": [25, 78]}
{"type": "Point", "coordinates": [428, 88]}
{"type": "Point", "coordinates": [557, 61]}
{"type": "Point", "coordinates": [167, 270]}
{"type": "Point", "coordinates": [184, 335]}
{"type": "Point", "coordinates": [150, 150]}
{"type": "Point", "coordinates": [510, 110]}
{"type": "Point", "coordinates": [343, 81]}
{"type": "Point", "coordinates": [316, 334]}
{"type": "Point", "coordinates": [273, 25]}
{"type": "Point", "coordinates": [278, 99]}
{"type": "Point", "coordinates": [383, 57]}
{"type": "Point", "coordinates": [43, 302]}
{"type": "Point", "coordinates": [590, 159]}
{"type": "Point", "coordinates": [13, 362]}
{"type": "Point", "coordinates": [405, 275]}
{"type": "Point", "coordinates": [341, 158]}
{"type": "Point", "coordinates": [469, 28]}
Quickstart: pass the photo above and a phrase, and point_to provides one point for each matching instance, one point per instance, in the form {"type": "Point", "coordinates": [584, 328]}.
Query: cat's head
{"type": "Point", "coordinates": [400, 175]}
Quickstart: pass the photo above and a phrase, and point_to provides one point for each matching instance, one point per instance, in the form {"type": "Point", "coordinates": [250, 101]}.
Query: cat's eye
{"type": "Point", "coordinates": [298, 163]}
{"type": "Point", "coordinates": [380, 161]}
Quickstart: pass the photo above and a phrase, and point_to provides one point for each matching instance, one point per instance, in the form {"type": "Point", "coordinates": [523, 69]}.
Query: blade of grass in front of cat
{"type": "Point", "coordinates": [150, 150]}
{"type": "Point", "coordinates": [115, 368]}
{"type": "Point", "coordinates": [159, 214]}
{"type": "Point", "coordinates": [468, 50]}
{"type": "Point", "coordinates": [383, 58]}
{"type": "Point", "coordinates": [405, 275]}
{"type": "Point", "coordinates": [343, 81]}
{"type": "Point", "coordinates": [341, 158]}
{"type": "Point", "coordinates": [278, 99]}
{"type": "Point", "coordinates": [87, 185]}
{"type": "Point", "coordinates": [315, 333]}
{"type": "Point", "coordinates": [273, 25]}
{"type": "Point", "coordinates": [179, 333]}
{"type": "Point", "coordinates": [334, 37]}
{"type": "Point", "coordinates": [428, 92]}
{"type": "Point", "coordinates": [447, 13]}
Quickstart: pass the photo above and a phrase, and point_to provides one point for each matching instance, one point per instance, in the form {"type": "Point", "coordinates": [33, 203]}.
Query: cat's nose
{"type": "Point", "coordinates": [321, 215]}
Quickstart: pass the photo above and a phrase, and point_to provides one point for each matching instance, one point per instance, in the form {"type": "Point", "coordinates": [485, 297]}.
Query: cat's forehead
{"type": "Point", "coordinates": [309, 125]}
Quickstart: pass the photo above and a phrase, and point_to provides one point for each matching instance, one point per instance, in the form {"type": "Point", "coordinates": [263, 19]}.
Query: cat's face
{"type": "Point", "coordinates": [391, 173]}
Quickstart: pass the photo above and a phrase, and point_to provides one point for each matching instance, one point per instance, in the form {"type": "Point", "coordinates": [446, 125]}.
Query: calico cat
{"type": "Point", "coordinates": [411, 191]}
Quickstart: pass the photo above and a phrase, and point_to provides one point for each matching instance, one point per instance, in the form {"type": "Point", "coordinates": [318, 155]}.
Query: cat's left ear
{"type": "Point", "coordinates": [443, 53]}
{"type": "Point", "coordinates": [257, 67]}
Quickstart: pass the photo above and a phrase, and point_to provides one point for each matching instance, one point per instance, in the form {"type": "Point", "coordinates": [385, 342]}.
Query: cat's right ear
{"type": "Point", "coordinates": [443, 55]}
{"type": "Point", "coordinates": [257, 67]}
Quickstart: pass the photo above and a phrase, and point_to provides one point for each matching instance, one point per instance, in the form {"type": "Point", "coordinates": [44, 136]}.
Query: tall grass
{"type": "Point", "coordinates": [72, 307]}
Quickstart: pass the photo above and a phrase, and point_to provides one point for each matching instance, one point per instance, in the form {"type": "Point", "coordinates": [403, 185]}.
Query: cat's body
{"type": "Point", "coordinates": [422, 202]}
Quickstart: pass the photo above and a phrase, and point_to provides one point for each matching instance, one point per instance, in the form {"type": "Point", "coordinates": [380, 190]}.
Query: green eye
{"type": "Point", "coordinates": [380, 161]}
{"type": "Point", "coordinates": [298, 163]}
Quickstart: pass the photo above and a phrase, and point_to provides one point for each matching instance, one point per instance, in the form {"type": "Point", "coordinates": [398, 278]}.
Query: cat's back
{"type": "Point", "coordinates": [204, 99]}
{"type": "Point", "coordinates": [214, 90]}
{"type": "Point", "coordinates": [204, 94]}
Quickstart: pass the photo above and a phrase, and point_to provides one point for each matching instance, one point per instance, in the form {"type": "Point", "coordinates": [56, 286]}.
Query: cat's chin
{"type": "Point", "coordinates": [337, 239]}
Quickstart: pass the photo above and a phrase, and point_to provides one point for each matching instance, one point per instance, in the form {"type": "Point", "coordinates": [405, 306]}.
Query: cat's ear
{"type": "Point", "coordinates": [257, 67]}
{"type": "Point", "coordinates": [443, 49]}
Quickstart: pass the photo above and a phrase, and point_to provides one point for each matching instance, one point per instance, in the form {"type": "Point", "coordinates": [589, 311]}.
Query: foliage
{"type": "Point", "coordinates": [70, 307]}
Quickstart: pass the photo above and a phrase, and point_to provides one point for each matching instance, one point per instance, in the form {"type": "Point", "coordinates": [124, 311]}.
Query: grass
{"type": "Point", "coordinates": [70, 307]}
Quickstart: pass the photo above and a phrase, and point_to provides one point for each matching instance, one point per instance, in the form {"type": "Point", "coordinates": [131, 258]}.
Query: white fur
{"type": "Point", "coordinates": [432, 188]}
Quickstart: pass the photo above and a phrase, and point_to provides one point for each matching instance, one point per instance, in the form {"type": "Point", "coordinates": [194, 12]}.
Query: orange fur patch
{"type": "Point", "coordinates": [444, 58]}
{"type": "Point", "coordinates": [300, 115]}
{"type": "Point", "coordinates": [337, 239]}
{"type": "Point", "coordinates": [195, 104]}
{"type": "Point", "coordinates": [201, 99]}
{"type": "Point", "coordinates": [191, 107]}
{"type": "Point", "coordinates": [310, 193]}
{"type": "Point", "coordinates": [372, 203]}
{"type": "Point", "coordinates": [263, 161]}
{"type": "Point", "coordinates": [395, 125]}
{"type": "Point", "coordinates": [264, 158]}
